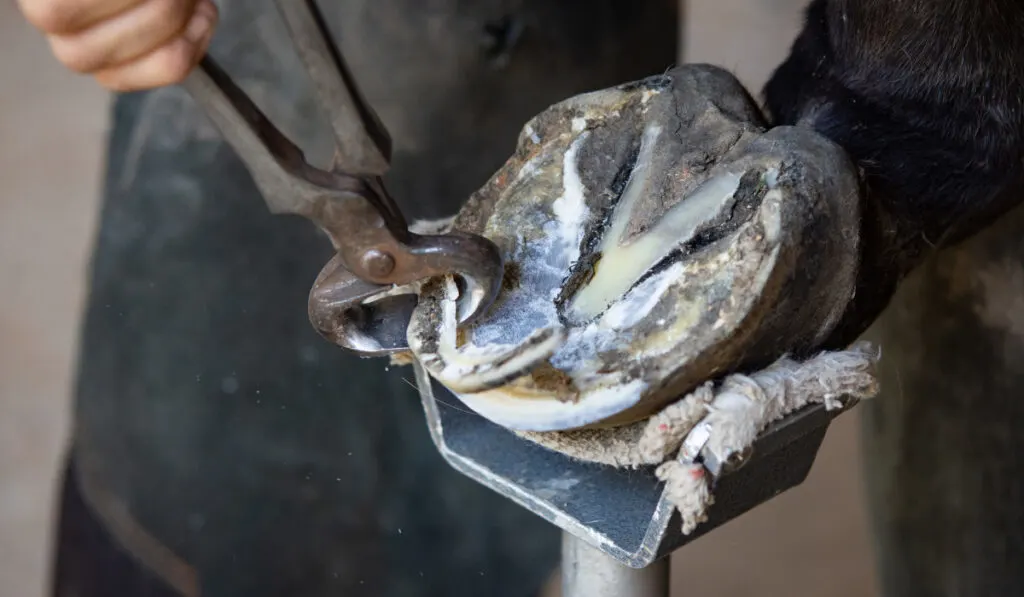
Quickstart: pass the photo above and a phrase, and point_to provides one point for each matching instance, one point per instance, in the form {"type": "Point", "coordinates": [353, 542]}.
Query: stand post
{"type": "Point", "coordinates": [586, 572]}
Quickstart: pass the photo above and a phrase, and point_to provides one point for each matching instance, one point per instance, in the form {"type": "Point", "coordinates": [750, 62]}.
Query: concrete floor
{"type": "Point", "coordinates": [810, 541]}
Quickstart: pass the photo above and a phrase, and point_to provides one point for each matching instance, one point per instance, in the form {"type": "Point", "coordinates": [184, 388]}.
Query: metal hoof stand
{"type": "Point", "coordinates": [618, 526]}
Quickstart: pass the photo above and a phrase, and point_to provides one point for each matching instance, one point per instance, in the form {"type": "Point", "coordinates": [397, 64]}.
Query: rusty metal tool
{"type": "Point", "coordinates": [362, 299]}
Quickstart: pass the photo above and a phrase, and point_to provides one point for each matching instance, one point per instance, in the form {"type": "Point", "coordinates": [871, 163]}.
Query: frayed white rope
{"type": "Point", "coordinates": [732, 413]}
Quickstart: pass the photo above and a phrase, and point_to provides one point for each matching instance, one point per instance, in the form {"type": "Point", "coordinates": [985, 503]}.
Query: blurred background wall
{"type": "Point", "coordinates": [811, 541]}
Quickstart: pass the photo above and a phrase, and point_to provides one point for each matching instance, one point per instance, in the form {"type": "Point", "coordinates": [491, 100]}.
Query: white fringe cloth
{"type": "Point", "coordinates": [731, 414]}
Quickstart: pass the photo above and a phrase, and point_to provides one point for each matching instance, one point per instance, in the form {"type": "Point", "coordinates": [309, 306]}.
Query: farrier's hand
{"type": "Point", "coordinates": [127, 45]}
